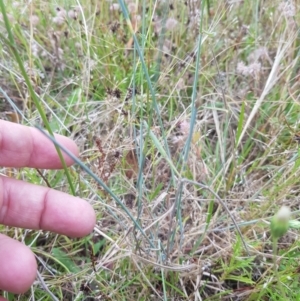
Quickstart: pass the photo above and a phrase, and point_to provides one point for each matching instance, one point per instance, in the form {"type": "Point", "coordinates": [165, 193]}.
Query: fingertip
{"type": "Point", "coordinates": [85, 215]}
{"type": "Point", "coordinates": [68, 215]}
{"type": "Point", "coordinates": [90, 216]}
{"type": "Point", "coordinates": [18, 266]}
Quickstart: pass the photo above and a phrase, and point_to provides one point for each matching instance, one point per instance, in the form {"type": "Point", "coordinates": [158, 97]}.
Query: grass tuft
{"type": "Point", "coordinates": [186, 116]}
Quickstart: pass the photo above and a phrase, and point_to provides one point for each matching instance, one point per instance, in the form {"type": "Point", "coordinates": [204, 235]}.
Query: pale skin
{"type": "Point", "coordinates": [34, 207]}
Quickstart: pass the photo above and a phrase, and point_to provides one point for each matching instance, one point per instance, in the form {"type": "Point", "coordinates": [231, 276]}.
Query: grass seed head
{"type": "Point", "coordinates": [280, 222]}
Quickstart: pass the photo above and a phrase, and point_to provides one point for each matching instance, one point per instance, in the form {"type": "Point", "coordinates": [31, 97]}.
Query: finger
{"type": "Point", "coordinates": [22, 146]}
{"type": "Point", "coordinates": [18, 266]}
{"type": "Point", "coordinates": [29, 206]}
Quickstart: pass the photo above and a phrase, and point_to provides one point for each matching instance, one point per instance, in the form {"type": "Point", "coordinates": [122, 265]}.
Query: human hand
{"type": "Point", "coordinates": [29, 206]}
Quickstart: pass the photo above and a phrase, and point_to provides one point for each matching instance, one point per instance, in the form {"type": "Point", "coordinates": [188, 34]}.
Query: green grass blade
{"type": "Point", "coordinates": [12, 45]}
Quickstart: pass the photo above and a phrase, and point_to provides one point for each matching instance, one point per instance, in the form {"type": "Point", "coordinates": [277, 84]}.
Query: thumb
{"type": "Point", "coordinates": [18, 266]}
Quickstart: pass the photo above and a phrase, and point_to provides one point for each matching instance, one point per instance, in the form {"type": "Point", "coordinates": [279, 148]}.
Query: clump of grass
{"type": "Point", "coordinates": [194, 108]}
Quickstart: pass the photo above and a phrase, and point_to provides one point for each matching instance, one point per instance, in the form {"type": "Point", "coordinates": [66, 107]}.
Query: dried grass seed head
{"type": "Point", "coordinates": [132, 8]}
{"type": "Point", "coordinates": [58, 20]}
{"type": "Point", "coordinates": [171, 24]}
{"type": "Point", "coordinates": [35, 49]}
{"type": "Point", "coordinates": [34, 20]}
{"type": "Point", "coordinates": [60, 17]}
{"type": "Point", "coordinates": [287, 8]}
{"type": "Point", "coordinates": [72, 14]}
{"type": "Point", "coordinates": [260, 53]}
{"type": "Point", "coordinates": [250, 70]}
{"type": "Point", "coordinates": [114, 7]}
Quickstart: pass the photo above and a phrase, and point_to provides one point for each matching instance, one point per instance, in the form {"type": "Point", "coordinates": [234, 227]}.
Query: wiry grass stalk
{"type": "Point", "coordinates": [141, 57]}
{"type": "Point", "coordinates": [191, 130]}
{"type": "Point", "coordinates": [195, 88]}
{"type": "Point", "coordinates": [100, 182]}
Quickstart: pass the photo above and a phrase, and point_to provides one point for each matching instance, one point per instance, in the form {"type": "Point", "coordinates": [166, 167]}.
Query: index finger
{"type": "Point", "coordinates": [22, 146]}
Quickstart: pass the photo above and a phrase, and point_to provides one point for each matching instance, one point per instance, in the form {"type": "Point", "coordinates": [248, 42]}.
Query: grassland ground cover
{"type": "Point", "coordinates": [188, 114]}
